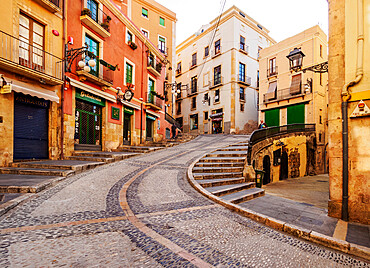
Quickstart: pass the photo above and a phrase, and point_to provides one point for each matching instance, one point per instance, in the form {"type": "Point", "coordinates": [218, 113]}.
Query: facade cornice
{"type": "Point", "coordinates": [158, 8]}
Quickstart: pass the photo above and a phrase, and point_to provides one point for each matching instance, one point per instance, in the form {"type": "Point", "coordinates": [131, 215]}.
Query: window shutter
{"type": "Point", "coordinates": [271, 92]}
{"type": "Point", "coordinates": [295, 87]}
{"type": "Point", "coordinates": [144, 12]}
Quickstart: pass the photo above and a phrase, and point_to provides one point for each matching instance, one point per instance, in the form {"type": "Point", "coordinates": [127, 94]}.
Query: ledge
{"type": "Point", "coordinates": [48, 5]}
{"type": "Point", "coordinates": [88, 76]}
{"type": "Point", "coordinates": [149, 105]}
{"type": "Point", "coordinates": [94, 26]}
{"type": "Point", "coordinates": [153, 71]}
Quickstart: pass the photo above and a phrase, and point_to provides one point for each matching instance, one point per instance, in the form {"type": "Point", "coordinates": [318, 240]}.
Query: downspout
{"type": "Point", "coordinates": [346, 96]}
{"type": "Point", "coordinates": [142, 93]}
{"type": "Point", "coordinates": [63, 75]}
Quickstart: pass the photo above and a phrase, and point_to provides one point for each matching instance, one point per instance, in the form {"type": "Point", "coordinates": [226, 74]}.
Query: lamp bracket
{"type": "Point", "coordinates": [71, 54]}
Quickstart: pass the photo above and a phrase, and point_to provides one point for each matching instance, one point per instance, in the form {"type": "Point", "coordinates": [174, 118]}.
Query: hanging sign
{"type": "Point", "coordinates": [361, 110]}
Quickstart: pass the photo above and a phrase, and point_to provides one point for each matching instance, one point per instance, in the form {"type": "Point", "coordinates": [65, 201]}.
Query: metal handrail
{"type": "Point", "coordinates": [265, 133]}
{"type": "Point", "coordinates": [11, 49]}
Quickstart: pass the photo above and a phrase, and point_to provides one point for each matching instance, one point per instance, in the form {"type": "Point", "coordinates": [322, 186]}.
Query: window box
{"type": "Point", "coordinates": [132, 45]}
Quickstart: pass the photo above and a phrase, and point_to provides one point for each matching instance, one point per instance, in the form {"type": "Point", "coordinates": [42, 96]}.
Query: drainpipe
{"type": "Point", "coordinates": [142, 92]}
{"type": "Point", "coordinates": [346, 96]}
{"type": "Point", "coordinates": [64, 5]}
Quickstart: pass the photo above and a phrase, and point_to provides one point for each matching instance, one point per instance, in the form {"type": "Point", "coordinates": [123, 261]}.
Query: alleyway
{"type": "Point", "coordinates": [142, 212]}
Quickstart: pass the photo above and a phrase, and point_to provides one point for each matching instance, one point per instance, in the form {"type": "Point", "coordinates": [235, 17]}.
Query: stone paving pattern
{"type": "Point", "coordinates": [80, 222]}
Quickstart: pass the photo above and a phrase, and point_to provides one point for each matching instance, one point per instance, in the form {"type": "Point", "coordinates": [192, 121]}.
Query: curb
{"type": "Point", "coordinates": [300, 232]}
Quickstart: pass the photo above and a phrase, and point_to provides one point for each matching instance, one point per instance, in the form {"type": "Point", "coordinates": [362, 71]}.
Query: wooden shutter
{"type": "Point", "coordinates": [271, 92]}
{"type": "Point", "coordinates": [295, 87]}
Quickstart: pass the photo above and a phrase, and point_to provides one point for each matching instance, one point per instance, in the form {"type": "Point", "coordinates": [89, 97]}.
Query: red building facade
{"type": "Point", "coordinates": [113, 92]}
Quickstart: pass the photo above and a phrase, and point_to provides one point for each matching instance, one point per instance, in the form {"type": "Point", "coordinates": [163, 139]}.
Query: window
{"type": "Point", "coordinates": [178, 69]}
{"type": "Point", "coordinates": [242, 43]}
{"type": "Point", "coordinates": [272, 67]}
{"type": "Point", "coordinates": [145, 32]}
{"type": "Point", "coordinates": [151, 60]}
{"type": "Point", "coordinates": [178, 91]}
{"type": "Point", "coordinates": [129, 37]}
{"type": "Point", "coordinates": [129, 69]}
{"type": "Point", "coordinates": [242, 107]}
{"type": "Point", "coordinates": [31, 45]}
{"type": "Point", "coordinates": [194, 121]}
{"type": "Point", "coordinates": [258, 53]}
{"type": "Point", "coordinates": [217, 95]}
{"type": "Point", "coordinates": [258, 78]}
{"type": "Point", "coordinates": [193, 103]}
{"type": "Point", "coordinates": [296, 85]}
{"type": "Point", "coordinates": [162, 44]}
{"type": "Point", "coordinates": [206, 115]}
{"type": "Point", "coordinates": [178, 107]}
{"type": "Point", "coordinates": [242, 94]}
{"type": "Point", "coordinates": [217, 75]}
{"type": "Point", "coordinates": [151, 90]}
{"type": "Point", "coordinates": [144, 12]}
{"type": "Point", "coordinates": [194, 59]}
{"type": "Point", "coordinates": [321, 51]}
{"type": "Point", "coordinates": [93, 7]}
{"type": "Point", "coordinates": [217, 46]}
{"type": "Point", "coordinates": [93, 47]}
{"type": "Point", "coordinates": [161, 21]}
{"type": "Point", "coordinates": [206, 51]}
{"type": "Point", "coordinates": [194, 86]}
{"type": "Point", "coordinates": [241, 72]}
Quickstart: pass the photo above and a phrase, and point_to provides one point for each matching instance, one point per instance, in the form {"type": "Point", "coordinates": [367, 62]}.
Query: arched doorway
{"type": "Point", "coordinates": [284, 166]}
{"type": "Point", "coordinates": [266, 169]}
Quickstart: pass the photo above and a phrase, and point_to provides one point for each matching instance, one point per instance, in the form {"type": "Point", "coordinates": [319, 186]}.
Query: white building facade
{"type": "Point", "coordinates": [217, 75]}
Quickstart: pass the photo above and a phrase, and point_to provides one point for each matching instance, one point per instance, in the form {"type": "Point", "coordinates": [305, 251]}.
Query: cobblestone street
{"type": "Point", "coordinates": [142, 212]}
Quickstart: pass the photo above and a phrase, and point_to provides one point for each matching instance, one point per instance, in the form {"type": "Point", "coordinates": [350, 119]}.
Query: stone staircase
{"type": "Point", "coordinates": [220, 173]}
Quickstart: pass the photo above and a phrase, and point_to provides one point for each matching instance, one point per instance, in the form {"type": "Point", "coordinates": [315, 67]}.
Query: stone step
{"type": "Point", "coordinates": [76, 165]}
{"type": "Point", "coordinates": [229, 189]}
{"type": "Point", "coordinates": [240, 144]}
{"type": "Point", "coordinates": [36, 171]}
{"type": "Point", "coordinates": [222, 159]}
{"type": "Point", "coordinates": [15, 183]}
{"type": "Point", "coordinates": [234, 148]}
{"type": "Point", "coordinates": [91, 158]}
{"type": "Point", "coordinates": [221, 175]}
{"type": "Point", "coordinates": [117, 156]}
{"type": "Point", "coordinates": [219, 164]}
{"type": "Point", "coordinates": [217, 169]}
{"type": "Point", "coordinates": [220, 182]}
{"type": "Point", "coordinates": [227, 154]}
{"type": "Point", "coordinates": [244, 195]}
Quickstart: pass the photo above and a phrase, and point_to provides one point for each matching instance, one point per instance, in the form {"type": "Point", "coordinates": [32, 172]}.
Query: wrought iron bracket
{"type": "Point", "coordinates": [71, 54]}
{"type": "Point", "coordinates": [318, 68]}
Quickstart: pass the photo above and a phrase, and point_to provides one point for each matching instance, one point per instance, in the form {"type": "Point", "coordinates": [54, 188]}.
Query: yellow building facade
{"type": "Point", "coordinates": [288, 97]}
{"type": "Point", "coordinates": [32, 77]}
{"type": "Point", "coordinates": [349, 102]}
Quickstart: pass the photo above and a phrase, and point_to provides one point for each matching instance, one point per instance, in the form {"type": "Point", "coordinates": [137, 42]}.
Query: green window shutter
{"type": "Point", "coordinates": [128, 73]}
{"type": "Point", "coordinates": [272, 118]}
{"type": "Point", "coordinates": [161, 21]}
{"type": "Point", "coordinates": [296, 114]}
{"type": "Point", "coordinates": [144, 12]}
{"type": "Point", "coordinates": [161, 39]}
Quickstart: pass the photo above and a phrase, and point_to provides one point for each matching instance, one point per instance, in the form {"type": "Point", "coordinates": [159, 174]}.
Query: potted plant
{"type": "Point", "coordinates": [105, 25]}
{"type": "Point", "coordinates": [85, 12]}
{"type": "Point", "coordinates": [132, 45]}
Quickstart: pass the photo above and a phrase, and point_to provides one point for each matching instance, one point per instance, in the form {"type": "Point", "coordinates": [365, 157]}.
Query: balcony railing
{"type": "Point", "coordinates": [244, 79]}
{"type": "Point", "coordinates": [19, 53]}
{"type": "Point", "coordinates": [156, 66]}
{"type": "Point", "coordinates": [102, 73]}
{"type": "Point", "coordinates": [99, 21]}
{"type": "Point", "coordinates": [284, 94]}
{"type": "Point", "coordinates": [216, 82]}
{"type": "Point", "coordinates": [272, 71]}
{"type": "Point", "coordinates": [154, 101]}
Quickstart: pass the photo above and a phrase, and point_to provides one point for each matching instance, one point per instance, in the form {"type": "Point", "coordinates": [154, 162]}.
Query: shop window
{"type": "Point", "coordinates": [194, 121]}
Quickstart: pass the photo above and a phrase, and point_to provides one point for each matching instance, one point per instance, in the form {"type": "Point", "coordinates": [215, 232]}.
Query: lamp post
{"type": "Point", "coordinates": [175, 90]}
{"type": "Point", "coordinates": [71, 55]}
{"type": "Point", "coordinates": [296, 61]}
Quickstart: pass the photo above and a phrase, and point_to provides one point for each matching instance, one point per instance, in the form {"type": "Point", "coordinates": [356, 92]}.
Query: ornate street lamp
{"type": "Point", "coordinates": [296, 61]}
{"type": "Point", "coordinates": [71, 55]}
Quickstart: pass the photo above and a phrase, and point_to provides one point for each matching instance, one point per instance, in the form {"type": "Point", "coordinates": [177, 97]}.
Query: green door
{"type": "Point", "coordinates": [295, 114]}
{"type": "Point", "coordinates": [272, 117]}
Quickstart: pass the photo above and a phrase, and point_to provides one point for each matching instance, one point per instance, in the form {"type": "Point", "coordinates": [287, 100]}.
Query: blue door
{"type": "Point", "coordinates": [30, 128]}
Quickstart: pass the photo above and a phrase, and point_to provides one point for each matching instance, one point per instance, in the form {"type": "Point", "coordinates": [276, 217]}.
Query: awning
{"type": "Point", "coordinates": [271, 92]}
{"type": "Point", "coordinates": [152, 113]}
{"type": "Point", "coordinates": [295, 87]}
{"type": "Point", "coordinates": [93, 90]}
{"type": "Point", "coordinates": [217, 119]}
{"type": "Point", "coordinates": [33, 90]}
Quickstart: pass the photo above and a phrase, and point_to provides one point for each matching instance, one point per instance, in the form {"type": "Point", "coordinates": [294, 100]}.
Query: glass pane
{"type": "Point", "coordinates": [37, 28]}
{"type": "Point", "coordinates": [24, 21]}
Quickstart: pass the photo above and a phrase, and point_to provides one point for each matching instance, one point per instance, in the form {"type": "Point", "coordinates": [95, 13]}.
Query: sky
{"type": "Point", "coordinates": [283, 18]}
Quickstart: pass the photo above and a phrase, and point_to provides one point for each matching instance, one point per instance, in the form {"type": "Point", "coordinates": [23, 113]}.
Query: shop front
{"type": "Point", "coordinates": [149, 127]}
{"type": "Point", "coordinates": [31, 116]}
{"type": "Point", "coordinates": [217, 121]}
{"type": "Point", "coordinates": [88, 121]}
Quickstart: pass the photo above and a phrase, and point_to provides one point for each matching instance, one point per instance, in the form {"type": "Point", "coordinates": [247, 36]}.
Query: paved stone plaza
{"type": "Point", "coordinates": [142, 212]}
